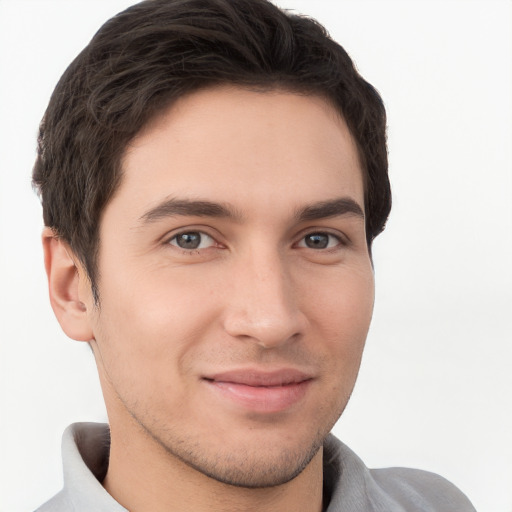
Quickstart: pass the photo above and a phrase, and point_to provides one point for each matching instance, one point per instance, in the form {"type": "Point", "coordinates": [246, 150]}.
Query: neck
{"type": "Point", "coordinates": [143, 476]}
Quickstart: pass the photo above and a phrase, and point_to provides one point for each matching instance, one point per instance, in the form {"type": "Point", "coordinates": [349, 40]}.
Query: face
{"type": "Point", "coordinates": [236, 288]}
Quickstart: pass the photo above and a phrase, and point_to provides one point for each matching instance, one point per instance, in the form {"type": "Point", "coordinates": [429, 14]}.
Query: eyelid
{"type": "Point", "coordinates": [339, 236]}
{"type": "Point", "coordinates": [187, 231]}
{"type": "Point", "coordinates": [202, 229]}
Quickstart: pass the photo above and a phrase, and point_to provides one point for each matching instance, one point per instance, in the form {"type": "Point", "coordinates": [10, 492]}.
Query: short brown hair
{"type": "Point", "coordinates": [146, 57]}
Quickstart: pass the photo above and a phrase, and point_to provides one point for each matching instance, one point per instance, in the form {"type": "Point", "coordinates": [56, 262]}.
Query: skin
{"type": "Point", "coordinates": [257, 295]}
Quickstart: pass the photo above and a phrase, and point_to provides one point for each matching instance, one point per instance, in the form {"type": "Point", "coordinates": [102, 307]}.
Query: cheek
{"type": "Point", "coordinates": [147, 326]}
{"type": "Point", "coordinates": [340, 314]}
{"type": "Point", "coordinates": [341, 303]}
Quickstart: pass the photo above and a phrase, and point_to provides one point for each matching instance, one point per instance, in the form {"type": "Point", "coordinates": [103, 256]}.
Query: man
{"type": "Point", "coordinates": [213, 174]}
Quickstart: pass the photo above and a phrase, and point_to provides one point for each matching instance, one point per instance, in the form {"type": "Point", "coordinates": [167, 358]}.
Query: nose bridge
{"type": "Point", "coordinates": [263, 305]}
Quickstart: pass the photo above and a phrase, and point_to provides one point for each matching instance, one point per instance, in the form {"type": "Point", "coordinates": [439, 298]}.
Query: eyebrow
{"type": "Point", "coordinates": [173, 207]}
{"type": "Point", "coordinates": [187, 207]}
{"type": "Point", "coordinates": [331, 208]}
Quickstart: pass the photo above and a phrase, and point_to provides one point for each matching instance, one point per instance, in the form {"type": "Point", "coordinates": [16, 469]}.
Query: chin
{"type": "Point", "coordinates": [252, 469]}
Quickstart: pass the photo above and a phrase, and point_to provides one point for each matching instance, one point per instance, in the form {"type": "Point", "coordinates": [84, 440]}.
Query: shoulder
{"type": "Point", "coordinates": [85, 450]}
{"type": "Point", "coordinates": [425, 490]}
{"type": "Point", "coordinates": [59, 503]}
{"type": "Point", "coordinates": [350, 486]}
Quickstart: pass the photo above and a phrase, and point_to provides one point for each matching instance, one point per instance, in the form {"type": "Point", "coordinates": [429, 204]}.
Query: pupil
{"type": "Point", "coordinates": [189, 240]}
{"type": "Point", "coordinates": [317, 241]}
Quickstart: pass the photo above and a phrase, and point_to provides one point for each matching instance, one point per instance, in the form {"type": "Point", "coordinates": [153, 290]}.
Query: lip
{"type": "Point", "coordinates": [260, 391]}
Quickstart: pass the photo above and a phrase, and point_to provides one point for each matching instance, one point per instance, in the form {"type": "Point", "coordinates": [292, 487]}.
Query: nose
{"type": "Point", "coordinates": [263, 306]}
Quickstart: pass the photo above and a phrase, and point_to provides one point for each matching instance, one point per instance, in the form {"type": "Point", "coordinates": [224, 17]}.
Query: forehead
{"type": "Point", "coordinates": [232, 145]}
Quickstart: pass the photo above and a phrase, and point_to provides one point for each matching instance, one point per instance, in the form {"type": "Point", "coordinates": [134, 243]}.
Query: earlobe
{"type": "Point", "coordinates": [63, 282]}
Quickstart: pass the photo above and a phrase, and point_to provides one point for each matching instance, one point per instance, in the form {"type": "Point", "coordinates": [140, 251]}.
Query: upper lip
{"type": "Point", "coordinates": [256, 377]}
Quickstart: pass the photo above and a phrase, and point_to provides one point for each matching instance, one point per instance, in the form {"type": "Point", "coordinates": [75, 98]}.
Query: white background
{"type": "Point", "coordinates": [435, 388]}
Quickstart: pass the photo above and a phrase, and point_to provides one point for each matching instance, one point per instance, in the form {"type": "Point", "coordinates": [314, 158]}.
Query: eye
{"type": "Point", "coordinates": [319, 241]}
{"type": "Point", "coordinates": [192, 240]}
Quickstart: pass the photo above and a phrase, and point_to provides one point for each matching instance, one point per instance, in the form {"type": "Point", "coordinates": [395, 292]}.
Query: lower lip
{"type": "Point", "coordinates": [261, 399]}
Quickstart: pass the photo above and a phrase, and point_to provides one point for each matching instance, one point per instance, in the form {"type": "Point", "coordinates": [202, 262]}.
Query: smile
{"type": "Point", "coordinates": [260, 392]}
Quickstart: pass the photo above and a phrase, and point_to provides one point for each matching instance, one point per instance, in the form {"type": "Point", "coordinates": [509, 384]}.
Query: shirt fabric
{"type": "Point", "coordinates": [349, 486]}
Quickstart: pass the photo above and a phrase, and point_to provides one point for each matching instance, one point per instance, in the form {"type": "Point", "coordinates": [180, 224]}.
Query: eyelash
{"type": "Point", "coordinates": [340, 241]}
{"type": "Point", "coordinates": [193, 250]}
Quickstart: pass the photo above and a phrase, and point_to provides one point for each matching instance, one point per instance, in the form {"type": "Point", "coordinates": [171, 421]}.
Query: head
{"type": "Point", "coordinates": [147, 57]}
{"type": "Point", "coordinates": [213, 174]}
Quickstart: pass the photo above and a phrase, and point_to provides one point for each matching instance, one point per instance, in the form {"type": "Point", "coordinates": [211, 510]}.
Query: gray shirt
{"type": "Point", "coordinates": [349, 486]}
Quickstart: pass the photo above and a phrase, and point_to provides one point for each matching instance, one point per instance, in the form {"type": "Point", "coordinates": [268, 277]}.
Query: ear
{"type": "Point", "coordinates": [64, 276]}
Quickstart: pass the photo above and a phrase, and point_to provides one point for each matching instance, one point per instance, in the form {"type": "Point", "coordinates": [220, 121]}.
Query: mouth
{"type": "Point", "coordinates": [260, 391]}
